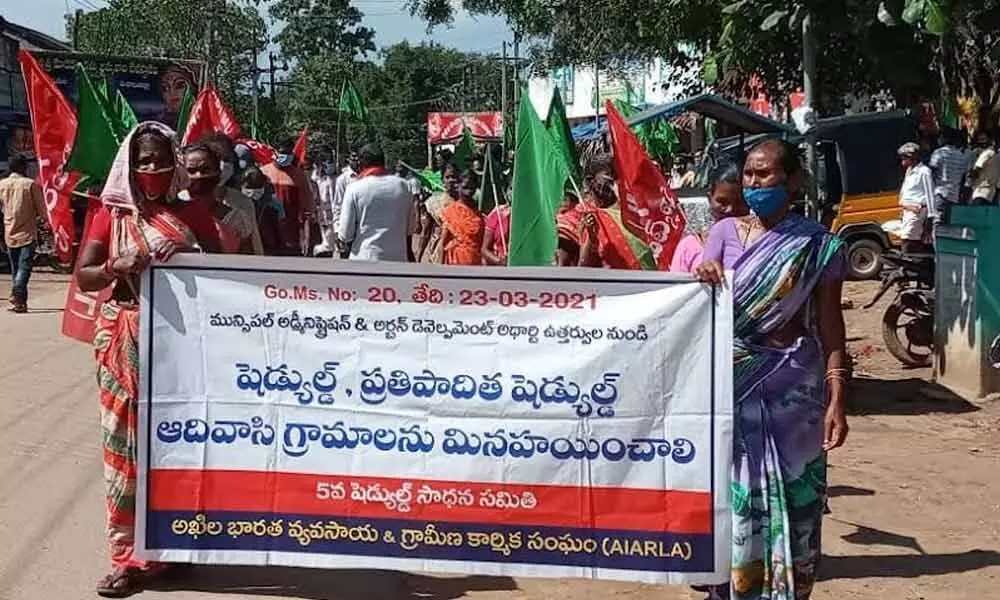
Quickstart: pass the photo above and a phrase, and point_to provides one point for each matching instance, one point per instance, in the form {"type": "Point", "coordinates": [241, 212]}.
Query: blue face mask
{"type": "Point", "coordinates": [284, 160]}
{"type": "Point", "coordinates": [765, 202]}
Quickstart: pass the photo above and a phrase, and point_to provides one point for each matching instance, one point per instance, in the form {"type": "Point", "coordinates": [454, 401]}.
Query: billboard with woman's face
{"type": "Point", "coordinates": [154, 87]}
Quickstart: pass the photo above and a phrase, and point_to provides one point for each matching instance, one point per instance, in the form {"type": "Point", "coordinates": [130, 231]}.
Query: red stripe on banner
{"type": "Point", "coordinates": [627, 509]}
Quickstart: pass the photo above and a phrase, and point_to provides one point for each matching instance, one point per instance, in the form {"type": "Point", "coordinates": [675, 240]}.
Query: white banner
{"type": "Point", "coordinates": [538, 422]}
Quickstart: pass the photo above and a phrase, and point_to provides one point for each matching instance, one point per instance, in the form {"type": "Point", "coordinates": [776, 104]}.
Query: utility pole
{"type": "Point", "coordinates": [517, 68]}
{"type": "Point", "coordinates": [76, 28]}
{"type": "Point", "coordinates": [597, 98]}
{"type": "Point", "coordinates": [503, 96]}
{"type": "Point", "coordinates": [210, 42]}
{"type": "Point", "coordinates": [809, 89]}
{"type": "Point", "coordinates": [256, 96]}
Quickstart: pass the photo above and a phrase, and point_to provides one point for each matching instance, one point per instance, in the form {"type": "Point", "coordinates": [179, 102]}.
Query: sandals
{"type": "Point", "coordinates": [121, 583]}
{"type": "Point", "coordinates": [126, 581]}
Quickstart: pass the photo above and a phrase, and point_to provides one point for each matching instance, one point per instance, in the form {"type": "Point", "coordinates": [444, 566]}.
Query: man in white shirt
{"type": "Point", "coordinates": [323, 182]}
{"type": "Point", "coordinates": [916, 198]}
{"type": "Point", "coordinates": [985, 171]}
{"type": "Point", "coordinates": [348, 175]}
{"type": "Point", "coordinates": [377, 217]}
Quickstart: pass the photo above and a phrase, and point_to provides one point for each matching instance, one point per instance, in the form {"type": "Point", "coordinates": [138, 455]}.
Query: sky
{"type": "Point", "coordinates": [391, 23]}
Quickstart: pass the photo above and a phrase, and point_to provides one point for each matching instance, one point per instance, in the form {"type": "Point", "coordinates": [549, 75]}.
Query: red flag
{"type": "Point", "coordinates": [650, 209]}
{"type": "Point", "coordinates": [209, 115]}
{"type": "Point", "coordinates": [299, 151]}
{"type": "Point", "coordinates": [262, 153]}
{"type": "Point", "coordinates": [80, 312]}
{"type": "Point", "coordinates": [53, 124]}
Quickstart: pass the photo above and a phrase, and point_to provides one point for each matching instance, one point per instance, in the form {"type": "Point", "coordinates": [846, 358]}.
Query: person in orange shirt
{"type": "Point", "coordinates": [23, 210]}
{"type": "Point", "coordinates": [292, 189]}
{"type": "Point", "coordinates": [463, 226]}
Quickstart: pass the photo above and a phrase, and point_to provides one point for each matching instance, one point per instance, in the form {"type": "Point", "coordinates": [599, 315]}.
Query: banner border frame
{"type": "Point", "coordinates": [294, 265]}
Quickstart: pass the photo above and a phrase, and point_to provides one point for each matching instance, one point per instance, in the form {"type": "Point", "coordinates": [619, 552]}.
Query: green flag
{"type": "Point", "coordinates": [489, 187]}
{"type": "Point", "coordinates": [562, 137]}
{"type": "Point", "coordinates": [466, 148]}
{"type": "Point", "coordinates": [658, 138]}
{"type": "Point", "coordinates": [539, 176]}
{"type": "Point", "coordinates": [430, 180]}
{"type": "Point", "coordinates": [124, 116]}
{"type": "Point", "coordinates": [102, 88]}
{"type": "Point", "coordinates": [184, 112]}
{"type": "Point", "coordinates": [96, 132]}
{"type": "Point", "coordinates": [350, 103]}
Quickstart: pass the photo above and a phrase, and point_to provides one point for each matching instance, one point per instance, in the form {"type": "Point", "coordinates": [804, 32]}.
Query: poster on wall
{"type": "Point", "coordinates": [154, 87]}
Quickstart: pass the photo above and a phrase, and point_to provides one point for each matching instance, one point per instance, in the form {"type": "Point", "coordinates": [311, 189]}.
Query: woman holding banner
{"type": "Point", "coordinates": [136, 225]}
{"type": "Point", "coordinates": [725, 199]}
{"type": "Point", "coordinates": [789, 329]}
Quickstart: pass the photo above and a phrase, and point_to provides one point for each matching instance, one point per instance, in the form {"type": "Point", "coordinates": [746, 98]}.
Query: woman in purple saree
{"type": "Point", "coordinates": [789, 330]}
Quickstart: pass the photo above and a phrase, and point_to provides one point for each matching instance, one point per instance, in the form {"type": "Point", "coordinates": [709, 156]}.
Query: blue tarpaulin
{"type": "Point", "coordinates": [709, 105]}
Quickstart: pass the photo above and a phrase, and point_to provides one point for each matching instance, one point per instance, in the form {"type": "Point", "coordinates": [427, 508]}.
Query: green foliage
{"type": "Point", "coordinates": [398, 91]}
{"type": "Point", "coordinates": [315, 28]}
{"type": "Point", "coordinates": [732, 40]}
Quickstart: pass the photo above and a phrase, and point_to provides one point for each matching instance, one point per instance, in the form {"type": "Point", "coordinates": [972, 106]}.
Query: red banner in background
{"type": "Point", "coordinates": [53, 124]}
{"type": "Point", "coordinates": [209, 115]}
{"type": "Point", "coordinates": [445, 128]}
{"type": "Point", "coordinates": [262, 153]}
{"type": "Point", "coordinates": [650, 209]}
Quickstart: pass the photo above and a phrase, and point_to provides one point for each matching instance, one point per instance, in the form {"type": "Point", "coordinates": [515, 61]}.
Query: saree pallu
{"type": "Point", "coordinates": [117, 352]}
{"type": "Point", "coordinates": [779, 467]}
{"type": "Point", "coordinates": [618, 248]}
{"type": "Point", "coordinates": [434, 251]}
{"type": "Point", "coordinates": [467, 228]}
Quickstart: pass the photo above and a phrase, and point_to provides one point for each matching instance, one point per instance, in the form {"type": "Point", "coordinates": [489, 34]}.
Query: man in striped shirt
{"type": "Point", "coordinates": [949, 164]}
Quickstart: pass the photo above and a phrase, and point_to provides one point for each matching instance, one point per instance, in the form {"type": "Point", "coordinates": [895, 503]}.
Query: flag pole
{"type": "Point", "coordinates": [340, 116]}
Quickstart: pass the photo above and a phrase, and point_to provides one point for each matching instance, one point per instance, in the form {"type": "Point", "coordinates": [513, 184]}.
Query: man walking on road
{"type": "Point", "coordinates": [23, 210]}
{"type": "Point", "coordinates": [377, 217]}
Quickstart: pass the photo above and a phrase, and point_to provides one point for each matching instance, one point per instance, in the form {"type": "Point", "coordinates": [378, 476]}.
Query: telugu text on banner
{"type": "Point", "coordinates": [542, 422]}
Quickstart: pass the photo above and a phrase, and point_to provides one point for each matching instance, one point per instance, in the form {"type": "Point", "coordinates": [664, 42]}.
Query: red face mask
{"type": "Point", "coordinates": [154, 184]}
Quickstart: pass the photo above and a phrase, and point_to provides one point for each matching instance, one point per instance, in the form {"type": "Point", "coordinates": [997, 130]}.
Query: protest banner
{"type": "Point", "coordinates": [536, 422]}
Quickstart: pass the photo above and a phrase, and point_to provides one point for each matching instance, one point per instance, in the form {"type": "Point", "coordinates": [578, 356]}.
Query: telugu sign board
{"type": "Point", "coordinates": [154, 87]}
{"type": "Point", "coordinates": [544, 422]}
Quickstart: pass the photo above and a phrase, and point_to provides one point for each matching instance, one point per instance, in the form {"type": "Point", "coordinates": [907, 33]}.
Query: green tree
{"type": "Point", "coordinates": [321, 28]}
{"type": "Point", "coordinates": [734, 40]}
{"type": "Point", "coordinates": [399, 89]}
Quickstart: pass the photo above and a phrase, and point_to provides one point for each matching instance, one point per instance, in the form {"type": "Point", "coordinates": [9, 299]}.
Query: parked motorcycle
{"type": "Point", "coordinates": [908, 322]}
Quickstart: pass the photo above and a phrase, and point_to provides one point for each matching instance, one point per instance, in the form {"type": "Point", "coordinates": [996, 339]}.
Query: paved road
{"type": "Point", "coordinates": [915, 509]}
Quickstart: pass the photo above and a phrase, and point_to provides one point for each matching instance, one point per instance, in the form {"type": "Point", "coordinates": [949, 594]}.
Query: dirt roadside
{"type": "Point", "coordinates": [915, 494]}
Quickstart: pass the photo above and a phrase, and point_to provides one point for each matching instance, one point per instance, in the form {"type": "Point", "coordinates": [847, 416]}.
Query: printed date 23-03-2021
{"type": "Point", "coordinates": [424, 293]}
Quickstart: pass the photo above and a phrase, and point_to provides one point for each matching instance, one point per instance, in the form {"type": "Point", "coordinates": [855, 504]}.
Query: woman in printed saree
{"type": "Point", "coordinates": [603, 240]}
{"type": "Point", "coordinates": [497, 234]}
{"type": "Point", "coordinates": [462, 227]}
{"type": "Point", "coordinates": [429, 247]}
{"type": "Point", "coordinates": [135, 225]}
{"type": "Point", "coordinates": [790, 372]}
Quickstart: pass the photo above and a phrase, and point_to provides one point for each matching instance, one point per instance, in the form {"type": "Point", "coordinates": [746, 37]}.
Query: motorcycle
{"type": "Point", "coordinates": [908, 322]}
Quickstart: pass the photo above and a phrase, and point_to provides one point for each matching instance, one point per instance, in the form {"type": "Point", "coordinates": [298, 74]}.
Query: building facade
{"type": "Point", "coordinates": [15, 121]}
